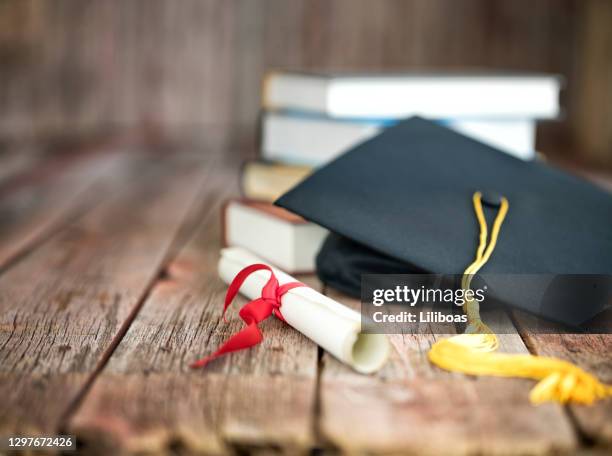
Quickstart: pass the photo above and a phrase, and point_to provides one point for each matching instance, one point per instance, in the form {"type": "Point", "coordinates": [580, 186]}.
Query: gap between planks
{"type": "Point", "coordinates": [53, 332]}
{"type": "Point", "coordinates": [412, 406]}
{"type": "Point", "coordinates": [37, 211]}
{"type": "Point", "coordinates": [167, 281]}
{"type": "Point", "coordinates": [192, 220]}
{"type": "Point", "coordinates": [588, 351]}
{"type": "Point", "coordinates": [261, 399]}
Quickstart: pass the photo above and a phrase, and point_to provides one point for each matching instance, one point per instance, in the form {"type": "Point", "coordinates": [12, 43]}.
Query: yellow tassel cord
{"type": "Point", "coordinates": [473, 352]}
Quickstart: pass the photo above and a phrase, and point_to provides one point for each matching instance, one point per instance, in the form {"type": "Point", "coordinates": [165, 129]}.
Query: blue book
{"type": "Point", "coordinates": [304, 138]}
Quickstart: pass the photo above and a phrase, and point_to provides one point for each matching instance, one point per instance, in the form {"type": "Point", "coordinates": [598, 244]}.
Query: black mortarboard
{"type": "Point", "coordinates": [401, 202]}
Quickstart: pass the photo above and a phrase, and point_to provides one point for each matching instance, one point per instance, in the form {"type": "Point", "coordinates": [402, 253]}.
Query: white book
{"type": "Point", "coordinates": [284, 239]}
{"type": "Point", "coordinates": [315, 140]}
{"type": "Point", "coordinates": [444, 95]}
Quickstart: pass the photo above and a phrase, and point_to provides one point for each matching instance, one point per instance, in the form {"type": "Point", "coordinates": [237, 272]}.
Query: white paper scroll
{"type": "Point", "coordinates": [326, 322]}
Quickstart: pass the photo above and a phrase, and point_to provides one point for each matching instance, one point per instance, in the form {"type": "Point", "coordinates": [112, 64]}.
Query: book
{"type": "Point", "coordinates": [441, 95]}
{"type": "Point", "coordinates": [266, 181]}
{"type": "Point", "coordinates": [275, 234]}
{"type": "Point", "coordinates": [303, 139]}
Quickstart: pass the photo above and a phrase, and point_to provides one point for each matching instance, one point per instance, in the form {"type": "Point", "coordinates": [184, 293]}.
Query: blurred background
{"type": "Point", "coordinates": [176, 70]}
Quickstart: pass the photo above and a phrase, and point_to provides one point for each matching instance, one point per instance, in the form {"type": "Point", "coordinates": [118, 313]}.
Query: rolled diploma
{"type": "Point", "coordinates": [326, 322]}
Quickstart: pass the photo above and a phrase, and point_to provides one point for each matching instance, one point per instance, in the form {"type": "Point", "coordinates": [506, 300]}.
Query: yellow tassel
{"type": "Point", "coordinates": [474, 352]}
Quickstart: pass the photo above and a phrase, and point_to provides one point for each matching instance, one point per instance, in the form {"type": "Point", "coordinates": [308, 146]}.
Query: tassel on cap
{"type": "Point", "coordinates": [474, 352]}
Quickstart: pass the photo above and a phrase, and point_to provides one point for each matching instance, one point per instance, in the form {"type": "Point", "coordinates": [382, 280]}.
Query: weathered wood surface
{"type": "Point", "coordinates": [99, 321]}
{"type": "Point", "coordinates": [589, 351]}
{"type": "Point", "coordinates": [148, 399]}
{"type": "Point", "coordinates": [15, 162]}
{"type": "Point", "coordinates": [32, 212]}
{"type": "Point", "coordinates": [414, 407]}
{"type": "Point", "coordinates": [63, 305]}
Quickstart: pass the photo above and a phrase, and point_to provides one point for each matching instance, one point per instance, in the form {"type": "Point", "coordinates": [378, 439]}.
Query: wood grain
{"type": "Point", "coordinates": [14, 161]}
{"type": "Point", "coordinates": [414, 407]}
{"type": "Point", "coordinates": [32, 212]}
{"type": "Point", "coordinates": [588, 351]}
{"type": "Point", "coordinates": [593, 97]}
{"type": "Point", "coordinates": [99, 322]}
{"type": "Point", "coordinates": [62, 306]}
{"type": "Point", "coordinates": [94, 66]}
{"type": "Point", "coordinates": [147, 398]}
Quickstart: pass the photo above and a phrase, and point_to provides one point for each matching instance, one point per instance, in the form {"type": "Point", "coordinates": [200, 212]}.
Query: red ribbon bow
{"type": "Point", "coordinates": [252, 313]}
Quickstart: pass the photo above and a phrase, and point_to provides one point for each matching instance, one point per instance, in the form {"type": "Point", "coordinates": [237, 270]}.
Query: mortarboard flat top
{"type": "Point", "coordinates": [407, 194]}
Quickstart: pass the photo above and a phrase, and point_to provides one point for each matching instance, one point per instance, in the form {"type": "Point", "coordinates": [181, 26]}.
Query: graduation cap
{"type": "Point", "coordinates": [401, 202]}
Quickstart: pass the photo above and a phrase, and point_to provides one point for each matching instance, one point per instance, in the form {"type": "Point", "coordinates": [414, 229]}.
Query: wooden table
{"type": "Point", "coordinates": [108, 289]}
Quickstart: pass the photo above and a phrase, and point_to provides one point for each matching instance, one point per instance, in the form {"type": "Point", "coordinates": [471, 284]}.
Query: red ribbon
{"type": "Point", "coordinates": [252, 313]}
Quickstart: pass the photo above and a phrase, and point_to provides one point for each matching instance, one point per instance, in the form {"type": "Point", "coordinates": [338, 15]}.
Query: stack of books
{"type": "Point", "coordinates": [310, 119]}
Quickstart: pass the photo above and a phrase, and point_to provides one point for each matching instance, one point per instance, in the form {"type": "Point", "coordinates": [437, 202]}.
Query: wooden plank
{"type": "Point", "coordinates": [412, 406]}
{"type": "Point", "coordinates": [15, 162]}
{"type": "Point", "coordinates": [588, 351]}
{"type": "Point", "coordinates": [148, 400]}
{"type": "Point", "coordinates": [63, 306]}
{"type": "Point", "coordinates": [31, 213]}
{"type": "Point", "coordinates": [87, 66]}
